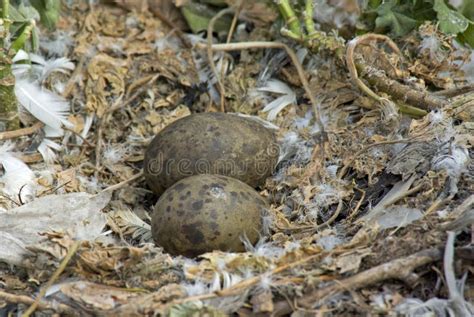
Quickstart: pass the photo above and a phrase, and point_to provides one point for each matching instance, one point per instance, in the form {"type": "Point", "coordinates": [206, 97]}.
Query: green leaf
{"type": "Point", "coordinates": [34, 40]}
{"type": "Point", "coordinates": [23, 14]}
{"type": "Point", "coordinates": [48, 10]}
{"type": "Point", "coordinates": [467, 37]}
{"type": "Point", "coordinates": [198, 16]}
{"type": "Point", "coordinates": [394, 16]}
{"type": "Point", "coordinates": [450, 21]}
{"type": "Point", "coordinates": [28, 12]}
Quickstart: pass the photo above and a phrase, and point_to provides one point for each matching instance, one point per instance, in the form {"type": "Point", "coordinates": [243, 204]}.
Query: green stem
{"type": "Point", "coordinates": [308, 18]}
{"type": "Point", "coordinates": [8, 103]}
{"type": "Point", "coordinates": [411, 110]}
{"type": "Point", "coordinates": [289, 16]}
{"type": "Point", "coordinates": [5, 9]}
{"type": "Point", "coordinates": [24, 36]}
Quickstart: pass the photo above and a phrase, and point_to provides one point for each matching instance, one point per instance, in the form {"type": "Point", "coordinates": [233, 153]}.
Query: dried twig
{"type": "Point", "coordinates": [21, 299]}
{"type": "Point", "coordinates": [72, 250]}
{"type": "Point", "coordinates": [21, 132]}
{"type": "Point", "coordinates": [401, 269]}
{"type": "Point", "coordinates": [123, 183]}
{"type": "Point", "coordinates": [421, 99]}
{"type": "Point", "coordinates": [234, 20]}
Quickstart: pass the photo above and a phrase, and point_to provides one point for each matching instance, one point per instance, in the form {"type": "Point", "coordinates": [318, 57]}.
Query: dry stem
{"type": "Point", "coordinates": [53, 278]}
{"type": "Point", "coordinates": [22, 299]}
{"type": "Point", "coordinates": [21, 132]}
{"type": "Point", "coordinates": [401, 269]}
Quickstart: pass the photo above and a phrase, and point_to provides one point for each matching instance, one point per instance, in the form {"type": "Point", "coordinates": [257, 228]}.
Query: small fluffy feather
{"type": "Point", "coordinates": [47, 67]}
{"type": "Point", "coordinates": [47, 148]}
{"type": "Point", "coordinates": [37, 67]}
{"type": "Point", "coordinates": [114, 153]}
{"type": "Point", "coordinates": [278, 87]}
{"type": "Point", "coordinates": [59, 44]}
{"type": "Point", "coordinates": [46, 106]}
{"type": "Point", "coordinates": [453, 159]}
{"type": "Point", "coordinates": [18, 178]}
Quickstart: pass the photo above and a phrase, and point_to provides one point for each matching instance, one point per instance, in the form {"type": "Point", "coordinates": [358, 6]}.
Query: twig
{"type": "Point", "coordinates": [79, 136]}
{"type": "Point", "coordinates": [21, 299]}
{"type": "Point", "coordinates": [424, 100]}
{"type": "Point", "coordinates": [350, 62]}
{"type": "Point", "coordinates": [464, 216]}
{"type": "Point", "coordinates": [357, 207]}
{"type": "Point", "coordinates": [123, 183]}
{"type": "Point", "coordinates": [210, 56]}
{"type": "Point", "coordinates": [453, 92]}
{"type": "Point", "coordinates": [30, 158]}
{"type": "Point", "coordinates": [401, 269]}
{"type": "Point", "coordinates": [21, 132]}
{"type": "Point", "coordinates": [324, 224]}
{"type": "Point", "coordinates": [234, 20]}
{"type": "Point", "coordinates": [72, 250]}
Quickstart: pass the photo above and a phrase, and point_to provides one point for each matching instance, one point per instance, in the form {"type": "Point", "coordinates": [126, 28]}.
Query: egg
{"type": "Point", "coordinates": [207, 212]}
{"type": "Point", "coordinates": [211, 143]}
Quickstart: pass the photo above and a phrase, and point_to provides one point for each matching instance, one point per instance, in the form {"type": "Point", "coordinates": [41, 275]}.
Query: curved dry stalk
{"type": "Point", "coordinates": [234, 20]}
{"type": "Point", "coordinates": [417, 99]}
{"type": "Point", "coordinates": [351, 46]}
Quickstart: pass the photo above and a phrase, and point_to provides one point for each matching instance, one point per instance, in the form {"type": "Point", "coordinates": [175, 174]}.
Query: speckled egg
{"type": "Point", "coordinates": [203, 213]}
{"type": "Point", "coordinates": [211, 143]}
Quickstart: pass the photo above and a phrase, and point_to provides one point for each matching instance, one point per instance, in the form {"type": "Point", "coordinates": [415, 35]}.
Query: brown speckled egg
{"type": "Point", "coordinates": [211, 143]}
{"type": "Point", "coordinates": [203, 213]}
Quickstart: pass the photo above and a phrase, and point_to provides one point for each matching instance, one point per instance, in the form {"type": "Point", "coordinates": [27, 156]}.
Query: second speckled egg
{"type": "Point", "coordinates": [203, 213]}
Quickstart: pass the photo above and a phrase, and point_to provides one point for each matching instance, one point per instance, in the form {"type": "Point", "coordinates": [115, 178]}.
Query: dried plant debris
{"type": "Point", "coordinates": [371, 215]}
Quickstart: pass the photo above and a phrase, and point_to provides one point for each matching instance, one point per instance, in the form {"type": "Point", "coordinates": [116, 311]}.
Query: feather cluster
{"type": "Point", "coordinates": [31, 71]}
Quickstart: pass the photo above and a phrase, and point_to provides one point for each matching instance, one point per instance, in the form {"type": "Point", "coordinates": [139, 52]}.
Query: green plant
{"type": "Point", "coordinates": [18, 31]}
{"type": "Point", "coordinates": [399, 17]}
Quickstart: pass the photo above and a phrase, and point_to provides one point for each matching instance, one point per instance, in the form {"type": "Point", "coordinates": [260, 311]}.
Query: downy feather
{"type": "Point", "coordinates": [18, 178]}
{"type": "Point", "coordinates": [288, 97]}
{"type": "Point", "coordinates": [47, 148]}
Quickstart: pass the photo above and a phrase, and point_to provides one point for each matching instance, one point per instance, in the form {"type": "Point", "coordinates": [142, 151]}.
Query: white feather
{"type": "Point", "coordinates": [37, 67]}
{"type": "Point", "coordinates": [87, 126]}
{"type": "Point", "coordinates": [21, 55]}
{"type": "Point", "coordinates": [46, 67]}
{"type": "Point", "coordinates": [288, 97]}
{"type": "Point", "coordinates": [47, 148]}
{"type": "Point", "coordinates": [18, 178]}
{"type": "Point", "coordinates": [46, 106]}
